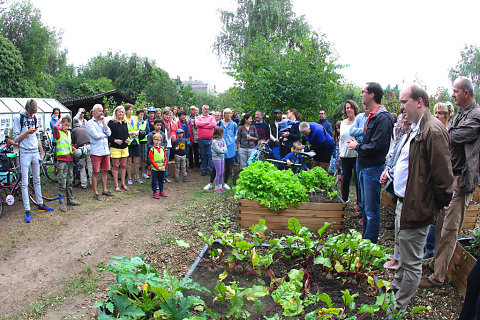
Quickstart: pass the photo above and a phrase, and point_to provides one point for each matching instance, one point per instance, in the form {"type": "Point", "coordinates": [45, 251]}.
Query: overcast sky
{"type": "Point", "coordinates": [385, 41]}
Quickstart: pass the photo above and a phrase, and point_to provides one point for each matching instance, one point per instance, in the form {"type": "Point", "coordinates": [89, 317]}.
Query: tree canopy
{"type": "Point", "coordinates": [468, 66]}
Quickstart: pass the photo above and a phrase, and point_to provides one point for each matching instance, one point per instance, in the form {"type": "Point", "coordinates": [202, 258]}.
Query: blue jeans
{"type": "Point", "coordinates": [371, 198]}
{"type": "Point", "coordinates": [360, 192]}
{"type": "Point", "coordinates": [430, 244]}
{"type": "Point", "coordinates": [166, 167]}
{"type": "Point", "coordinates": [205, 155]}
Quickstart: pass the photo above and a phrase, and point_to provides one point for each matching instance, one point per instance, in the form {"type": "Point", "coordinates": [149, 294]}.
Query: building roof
{"type": "Point", "coordinates": [88, 101]}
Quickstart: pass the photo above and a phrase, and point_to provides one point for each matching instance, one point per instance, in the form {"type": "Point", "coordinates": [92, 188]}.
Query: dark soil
{"type": "Point", "coordinates": [207, 275]}
{"type": "Point", "coordinates": [322, 197]}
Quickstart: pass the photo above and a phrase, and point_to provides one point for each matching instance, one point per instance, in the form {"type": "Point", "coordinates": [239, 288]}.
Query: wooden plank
{"type": "Point", "coordinates": [284, 220]}
{"type": "Point", "coordinates": [468, 219]}
{"type": "Point", "coordinates": [459, 268]}
{"type": "Point", "coordinates": [303, 206]}
{"type": "Point", "coordinates": [476, 195]}
{"type": "Point", "coordinates": [290, 213]}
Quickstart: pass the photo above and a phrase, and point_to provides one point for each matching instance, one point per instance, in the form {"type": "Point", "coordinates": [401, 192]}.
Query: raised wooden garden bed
{"type": "Point", "coordinates": [460, 265]}
{"type": "Point", "coordinates": [310, 214]}
{"type": "Point", "coordinates": [471, 213]}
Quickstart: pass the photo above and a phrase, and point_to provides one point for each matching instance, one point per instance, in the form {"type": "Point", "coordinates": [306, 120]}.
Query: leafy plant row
{"type": "Point", "coordinates": [278, 189]}
{"type": "Point", "coordinates": [142, 293]}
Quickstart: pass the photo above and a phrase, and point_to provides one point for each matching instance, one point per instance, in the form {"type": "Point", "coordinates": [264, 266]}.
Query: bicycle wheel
{"type": "Point", "coordinates": [50, 171]}
{"type": "Point", "coordinates": [2, 205]}
{"type": "Point", "coordinates": [235, 176]}
{"type": "Point", "coordinates": [49, 191]}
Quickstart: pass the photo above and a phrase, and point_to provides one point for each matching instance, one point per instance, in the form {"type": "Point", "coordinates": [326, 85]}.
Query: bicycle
{"type": "Point", "coordinates": [11, 180]}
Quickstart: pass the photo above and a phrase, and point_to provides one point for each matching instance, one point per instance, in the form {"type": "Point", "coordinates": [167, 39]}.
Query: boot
{"type": "Point", "coordinates": [73, 202]}
{"type": "Point", "coordinates": [63, 206]}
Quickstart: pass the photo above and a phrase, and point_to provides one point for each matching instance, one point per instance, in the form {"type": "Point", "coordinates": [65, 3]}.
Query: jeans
{"type": "Point", "coordinates": [27, 159]}
{"type": "Point", "coordinates": [157, 180]}
{"type": "Point", "coordinates": [430, 245]}
{"type": "Point", "coordinates": [165, 177]}
{"type": "Point", "coordinates": [86, 163]}
{"type": "Point", "coordinates": [372, 188]}
{"type": "Point", "coordinates": [244, 154]}
{"type": "Point", "coordinates": [361, 206]}
{"type": "Point", "coordinates": [193, 156]}
{"type": "Point", "coordinates": [471, 305]}
{"type": "Point", "coordinates": [348, 165]}
{"type": "Point", "coordinates": [205, 155]}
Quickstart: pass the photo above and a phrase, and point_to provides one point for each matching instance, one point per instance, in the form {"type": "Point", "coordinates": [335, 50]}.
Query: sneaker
{"type": "Point", "coordinates": [176, 180]}
{"type": "Point", "coordinates": [139, 180]}
{"type": "Point", "coordinates": [392, 264]}
{"type": "Point", "coordinates": [163, 194]}
{"type": "Point", "coordinates": [185, 179]}
{"type": "Point", "coordinates": [156, 196]}
{"type": "Point", "coordinates": [96, 197]}
{"type": "Point", "coordinates": [149, 173]}
{"type": "Point", "coordinates": [130, 182]}
{"type": "Point", "coordinates": [63, 207]}
{"type": "Point", "coordinates": [44, 208]}
{"type": "Point", "coordinates": [217, 190]}
{"type": "Point", "coordinates": [145, 176]}
{"type": "Point", "coordinates": [28, 218]}
{"type": "Point", "coordinates": [221, 190]}
{"type": "Point", "coordinates": [168, 180]}
{"type": "Point", "coordinates": [226, 186]}
{"type": "Point", "coordinates": [208, 187]}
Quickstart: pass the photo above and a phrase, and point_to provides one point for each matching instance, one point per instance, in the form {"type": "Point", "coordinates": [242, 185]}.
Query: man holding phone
{"type": "Point", "coordinates": [25, 133]}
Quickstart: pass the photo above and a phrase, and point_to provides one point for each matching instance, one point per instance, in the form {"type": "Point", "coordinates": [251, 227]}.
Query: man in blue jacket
{"type": "Point", "coordinates": [371, 156]}
{"type": "Point", "coordinates": [322, 120]}
{"type": "Point", "coordinates": [322, 143]}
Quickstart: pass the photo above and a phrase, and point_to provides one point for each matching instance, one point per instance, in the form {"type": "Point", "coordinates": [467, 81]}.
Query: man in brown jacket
{"type": "Point", "coordinates": [465, 148]}
{"type": "Point", "coordinates": [423, 180]}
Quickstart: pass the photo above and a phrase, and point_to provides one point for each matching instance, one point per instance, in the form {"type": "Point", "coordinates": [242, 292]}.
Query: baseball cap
{"type": "Point", "coordinates": [277, 111]}
{"type": "Point", "coordinates": [180, 131]}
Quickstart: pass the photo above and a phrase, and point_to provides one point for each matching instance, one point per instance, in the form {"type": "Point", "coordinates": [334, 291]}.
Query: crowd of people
{"type": "Point", "coordinates": [428, 162]}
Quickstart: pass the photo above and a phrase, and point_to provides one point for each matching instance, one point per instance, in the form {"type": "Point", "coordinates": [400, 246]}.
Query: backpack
{"type": "Point", "coordinates": [22, 117]}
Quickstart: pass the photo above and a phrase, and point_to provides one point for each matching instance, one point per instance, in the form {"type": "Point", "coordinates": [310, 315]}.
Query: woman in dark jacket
{"type": "Point", "coordinates": [291, 134]}
{"type": "Point", "coordinates": [118, 141]}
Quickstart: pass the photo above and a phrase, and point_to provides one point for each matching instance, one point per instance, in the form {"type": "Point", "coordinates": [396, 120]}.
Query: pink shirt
{"type": "Point", "coordinates": [205, 126]}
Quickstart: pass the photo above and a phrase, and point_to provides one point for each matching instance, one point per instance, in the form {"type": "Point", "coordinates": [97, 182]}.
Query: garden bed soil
{"type": "Point", "coordinates": [207, 276]}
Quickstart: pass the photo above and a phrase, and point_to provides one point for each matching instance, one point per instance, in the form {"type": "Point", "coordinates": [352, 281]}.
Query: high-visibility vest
{"type": "Point", "coordinates": [133, 127]}
{"type": "Point", "coordinates": [64, 144]}
{"type": "Point", "coordinates": [158, 157]}
{"type": "Point", "coordinates": [143, 127]}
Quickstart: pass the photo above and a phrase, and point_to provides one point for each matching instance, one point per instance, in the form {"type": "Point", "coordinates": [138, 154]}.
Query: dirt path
{"type": "Point", "coordinates": [40, 259]}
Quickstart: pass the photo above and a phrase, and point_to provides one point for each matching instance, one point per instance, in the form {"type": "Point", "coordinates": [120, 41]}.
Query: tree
{"type": "Point", "coordinates": [253, 19]}
{"type": "Point", "coordinates": [274, 75]}
{"type": "Point", "coordinates": [468, 66]}
{"type": "Point", "coordinates": [11, 67]}
{"type": "Point", "coordinates": [161, 90]}
{"type": "Point", "coordinates": [186, 96]}
{"type": "Point", "coordinates": [231, 98]}
{"type": "Point", "coordinates": [21, 24]}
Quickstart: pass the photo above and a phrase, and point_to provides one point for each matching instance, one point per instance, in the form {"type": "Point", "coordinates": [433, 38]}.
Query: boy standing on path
{"type": "Point", "coordinates": [179, 147]}
{"type": "Point", "coordinates": [65, 162]}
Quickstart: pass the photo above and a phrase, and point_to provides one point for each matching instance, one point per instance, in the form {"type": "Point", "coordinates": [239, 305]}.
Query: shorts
{"type": "Point", "coordinates": [100, 163]}
{"type": "Point", "coordinates": [134, 150]}
{"type": "Point", "coordinates": [118, 153]}
{"type": "Point", "coordinates": [322, 154]}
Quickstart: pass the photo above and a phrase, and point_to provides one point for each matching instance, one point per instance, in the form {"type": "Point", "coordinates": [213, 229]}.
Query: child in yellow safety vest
{"type": "Point", "coordinates": [158, 159]}
{"type": "Point", "coordinates": [64, 151]}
